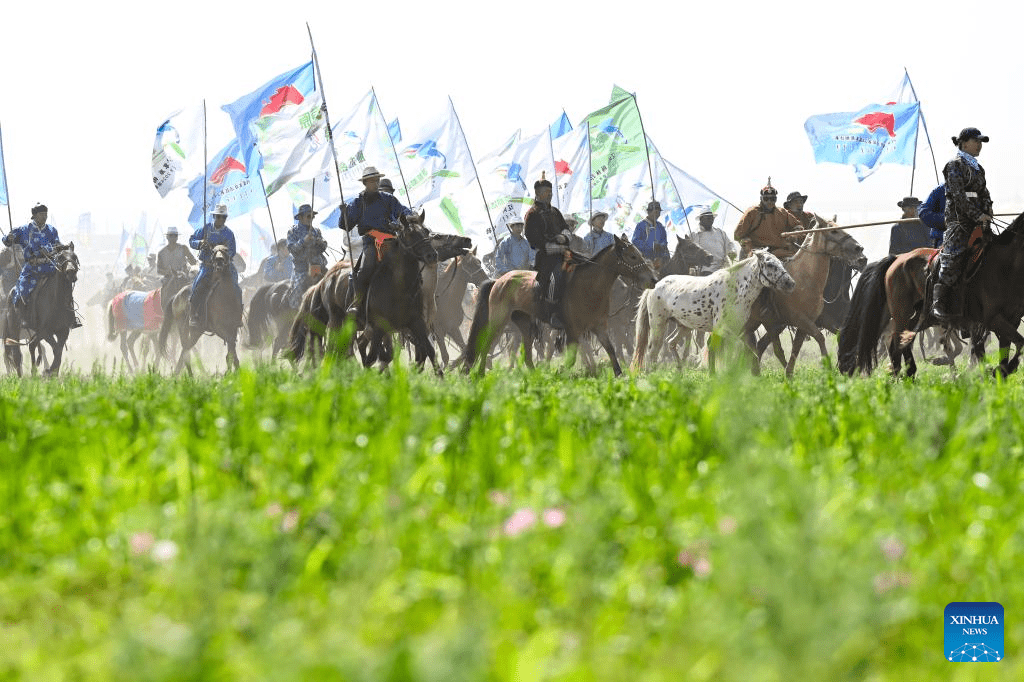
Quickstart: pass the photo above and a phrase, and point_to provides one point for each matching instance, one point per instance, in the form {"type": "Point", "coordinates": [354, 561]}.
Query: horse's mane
{"type": "Point", "coordinates": [1015, 229]}
{"type": "Point", "coordinates": [592, 260]}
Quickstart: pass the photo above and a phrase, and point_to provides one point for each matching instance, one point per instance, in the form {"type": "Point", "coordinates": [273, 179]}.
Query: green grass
{"type": "Point", "coordinates": [344, 525]}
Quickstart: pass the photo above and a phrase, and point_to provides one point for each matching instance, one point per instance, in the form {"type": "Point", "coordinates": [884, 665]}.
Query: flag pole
{"type": "Point", "coordinates": [554, 171]}
{"type": "Point", "coordinates": [391, 141]}
{"type": "Point", "coordinates": [928, 137]}
{"type": "Point", "coordinates": [334, 151]}
{"type": "Point", "coordinates": [473, 162]}
{"type": "Point", "coordinates": [7, 188]}
{"type": "Point", "coordinates": [206, 161]}
{"type": "Point", "coordinates": [266, 199]}
{"type": "Point", "coordinates": [650, 171]}
{"type": "Point", "coordinates": [590, 180]}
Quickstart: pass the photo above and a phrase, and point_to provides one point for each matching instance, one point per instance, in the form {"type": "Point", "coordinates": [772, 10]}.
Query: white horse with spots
{"type": "Point", "coordinates": [722, 300]}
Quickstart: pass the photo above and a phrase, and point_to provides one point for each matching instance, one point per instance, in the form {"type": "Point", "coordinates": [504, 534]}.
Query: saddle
{"type": "Point", "coordinates": [380, 241]}
{"type": "Point", "coordinates": [974, 256]}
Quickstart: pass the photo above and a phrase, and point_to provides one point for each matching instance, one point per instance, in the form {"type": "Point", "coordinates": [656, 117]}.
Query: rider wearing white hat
{"type": "Point", "coordinates": [714, 241]}
{"type": "Point", "coordinates": [173, 259]}
{"type": "Point", "coordinates": [203, 240]}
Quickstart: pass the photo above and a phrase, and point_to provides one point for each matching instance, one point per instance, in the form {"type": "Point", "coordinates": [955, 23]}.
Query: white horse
{"type": "Point", "coordinates": [720, 300]}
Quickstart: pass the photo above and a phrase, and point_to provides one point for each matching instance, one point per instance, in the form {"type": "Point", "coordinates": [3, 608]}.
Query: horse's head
{"type": "Point", "coordinates": [772, 272]}
{"type": "Point", "coordinates": [472, 267]}
{"type": "Point", "coordinates": [220, 260]}
{"type": "Point", "coordinates": [631, 264]}
{"type": "Point", "coordinates": [841, 245]}
{"type": "Point", "coordinates": [67, 263]}
{"type": "Point", "coordinates": [688, 254]}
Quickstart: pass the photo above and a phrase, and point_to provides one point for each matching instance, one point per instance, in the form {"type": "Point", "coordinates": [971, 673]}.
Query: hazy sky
{"type": "Point", "coordinates": [723, 87]}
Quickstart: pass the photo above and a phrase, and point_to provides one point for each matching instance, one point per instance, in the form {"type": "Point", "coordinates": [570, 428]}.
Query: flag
{"type": "Point", "coordinates": [283, 122]}
{"type": "Point", "coordinates": [616, 147]}
{"type": "Point", "coordinates": [3, 175]}
{"type": "Point", "coordinates": [560, 127]}
{"type": "Point", "coordinates": [228, 181]}
{"type": "Point", "coordinates": [571, 153]}
{"type": "Point", "coordinates": [178, 149]}
{"type": "Point", "coordinates": [139, 250]}
{"type": "Point", "coordinates": [83, 231]}
{"type": "Point", "coordinates": [504, 186]}
{"type": "Point", "coordinates": [261, 244]}
{"type": "Point", "coordinates": [865, 139]}
{"type": "Point", "coordinates": [395, 131]}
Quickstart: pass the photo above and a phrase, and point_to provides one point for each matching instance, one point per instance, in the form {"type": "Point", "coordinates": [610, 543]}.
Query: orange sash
{"type": "Point", "coordinates": [379, 239]}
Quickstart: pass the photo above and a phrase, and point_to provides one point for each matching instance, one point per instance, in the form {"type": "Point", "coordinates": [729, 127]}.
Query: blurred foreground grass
{"type": "Point", "coordinates": [343, 525]}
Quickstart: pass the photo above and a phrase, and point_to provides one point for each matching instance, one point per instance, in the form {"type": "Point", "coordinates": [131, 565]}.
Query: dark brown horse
{"type": "Point", "coordinates": [896, 287]}
{"type": "Point", "coordinates": [223, 315]}
{"type": "Point", "coordinates": [584, 304]}
{"type": "Point", "coordinates": [49, 316]}
{"type": "Point", "coordinates": [271, 315]}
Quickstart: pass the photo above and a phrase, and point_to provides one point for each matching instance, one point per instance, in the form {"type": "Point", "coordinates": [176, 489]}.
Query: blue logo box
{"type": "Point", "coordinates": [973, 632]}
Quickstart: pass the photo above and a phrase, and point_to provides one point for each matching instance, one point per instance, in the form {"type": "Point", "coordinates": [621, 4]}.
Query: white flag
{"type": "Point", "coordinates": [178, 149]}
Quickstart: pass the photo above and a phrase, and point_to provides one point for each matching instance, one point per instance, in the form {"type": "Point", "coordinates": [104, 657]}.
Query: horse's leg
{"type": "Point", "coordinates": [525, 326]}
{"type": "Point", "coordinates": [656, 318]}
{"type": "Point", "coordinates": [606, 343]}
{"type": "Point", "coordinates": [798, 342]}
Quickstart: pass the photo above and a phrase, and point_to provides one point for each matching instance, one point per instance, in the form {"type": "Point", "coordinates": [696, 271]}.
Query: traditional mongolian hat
{"type": "Point", "coordinates": [768, 190]}
{"type": "Point", "coordinates": [369, 173]}
{"type": "Point", "coordinates": [222, 209]}
{"type": "Point", "coordinates": [543, 182]}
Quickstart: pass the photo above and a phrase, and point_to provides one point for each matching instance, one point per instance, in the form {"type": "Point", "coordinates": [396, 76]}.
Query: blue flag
{"type": "Point", "coordinates": [865, 139]}
{"type": "Point", "coordinates": [265, 102]}
{"type": "Point", "coordinates": [3, 176]}
{"type": "Point", "coordinates": [395, 131]}
{"type": "Point", "coordinates": [560, 127]}
{"type": "Point", "coordinates": [228, 181]}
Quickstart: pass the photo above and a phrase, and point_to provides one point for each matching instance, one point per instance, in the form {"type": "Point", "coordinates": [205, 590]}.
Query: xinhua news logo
{"type": "Point", "coordinates": [974, 632]}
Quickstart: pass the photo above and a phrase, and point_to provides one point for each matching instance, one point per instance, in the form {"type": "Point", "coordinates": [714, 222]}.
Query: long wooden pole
{"type": "Point", "coordinates": [334, 151]}
{"type": "Point", "coordinates": [833, 228]}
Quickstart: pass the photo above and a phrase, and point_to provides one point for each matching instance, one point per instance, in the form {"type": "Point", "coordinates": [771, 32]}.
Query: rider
{"type": "Point", "coordinates": [763, 225]}
{"type": "Point", "coordinates": [307, 247]}
{"type": "Point", "coordinates": [514, 252]}
{"type": "Point", "coordinates": [933, 214]}
{"type": "Point", "coordinates": [968, 205]}
{"type": "Point", "coordinates": [714, 241]}
{"type": "Point", "coordinates": [278, 267]}
{"type": "Point", "coordinates": [794, 203]}
{"type": "Point", "coordinates": [597, 239]}
{"type": "Point", "coordinates": [39, 241]}
{"type": "Point", "coordinates": [11, 259]}
{"type": "Point", "coordinates": [905, 237]}
{"type": "Point", "coordinates": [650, 236]}
{"type": "Point", "coordinates": [547, 232]}
{"type": "Point", "coordinates": [173, 259]}
{"type": "Point", "coordinates": [203, 240]}
{"type": "Point", "coordinates": [371, 210]}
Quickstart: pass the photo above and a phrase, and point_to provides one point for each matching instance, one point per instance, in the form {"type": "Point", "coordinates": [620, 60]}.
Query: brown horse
{"type": "Point", "coordinates": [223, 314]}
{"type": "Point", "coordinates": [49, 316]}
{"type": "Point", "coordinates": [322, 312]}
{"type": "Point", "coordinates": [271, 315]}
{"type": "Point", "coordinates": [801, 307]}
{"type": "Point", "coordinates": [584, 304]}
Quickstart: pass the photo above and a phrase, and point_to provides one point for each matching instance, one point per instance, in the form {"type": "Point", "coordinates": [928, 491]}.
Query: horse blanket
{"type": "Point", "coordinates": [138, 311]}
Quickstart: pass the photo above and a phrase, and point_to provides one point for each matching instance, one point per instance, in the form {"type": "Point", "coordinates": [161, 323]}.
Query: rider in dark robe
{"type": "Point", "coordinates": [549, 235]}
{"type": "Point", "coordinates": [371, 211]}
{"type": "Point", "coordinates": [968, 205]}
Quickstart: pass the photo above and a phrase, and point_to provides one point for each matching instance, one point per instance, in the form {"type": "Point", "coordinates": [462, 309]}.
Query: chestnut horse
{"type": "Point", "coordinates": [584, 304]}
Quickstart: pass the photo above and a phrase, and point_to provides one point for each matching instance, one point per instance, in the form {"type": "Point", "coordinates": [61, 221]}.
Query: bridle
{"type": "Point", "coordinates": [763, 274]}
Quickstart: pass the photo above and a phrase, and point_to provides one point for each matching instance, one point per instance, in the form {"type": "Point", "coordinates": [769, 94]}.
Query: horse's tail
{"type": "Point", "coordinates": [642, 331]}
{"type": "Point", "coordinates": [477, 331]}
{"type": "Point", "coordinates": [859, 334]}
{"type": "Point", "coordinates": [111, 325]}
{"type": "Point", "coordinates": [259, 316]}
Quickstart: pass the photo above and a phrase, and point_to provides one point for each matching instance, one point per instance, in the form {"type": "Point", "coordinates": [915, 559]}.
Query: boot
{"type": "Point", "coordinates": [942, 295]}
{"type": "Point", "coordinates": [360, 284]}
{"type": "Point", "coordinates": [73, 315]}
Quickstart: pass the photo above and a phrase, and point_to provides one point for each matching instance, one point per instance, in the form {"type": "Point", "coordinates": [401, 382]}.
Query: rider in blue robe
{"type": "Point", "coordinates": [203, 240]}
{"type": "Point", "coordinates": [38, 240]}
{"type": "Point", "coordinates": [307, 247]}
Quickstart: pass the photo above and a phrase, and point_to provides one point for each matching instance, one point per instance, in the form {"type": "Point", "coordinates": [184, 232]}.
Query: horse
{"type": "Point", "coordinates": [131, 314]}
{"type": "Point", "coordinates": [802, 306]}
{"type": "Point", "coordinates": [584, 304]}
{"type": "Point", "coordinates": [269, 307]}
{"type": "Point", "coordinates": [223, 314]}
{"type": "Point", "coordinates": [322, 310]}
{"type": "Point", "coordinates": [898, 287]}
{"type": "Point", "coordinates": [49, 316]}
{"type": "Point", "coordinates": [452, 282]}
{"type": "Point", "coordinates": [721, 299]}
{"type": "Point", "coordinates": [394, 300]}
